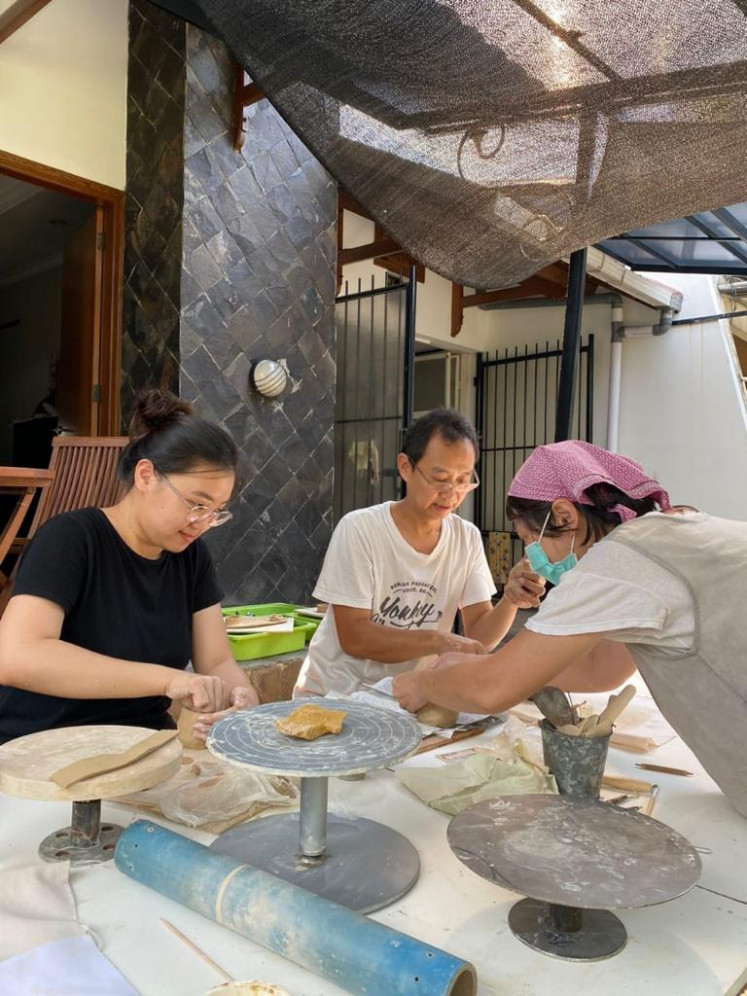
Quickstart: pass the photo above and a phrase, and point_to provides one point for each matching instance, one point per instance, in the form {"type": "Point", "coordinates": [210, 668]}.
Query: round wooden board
{"type": "Point", "coordinates": [27, 763]}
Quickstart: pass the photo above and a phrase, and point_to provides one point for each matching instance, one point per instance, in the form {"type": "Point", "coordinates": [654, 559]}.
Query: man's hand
{"type": "Point", "coordinates": [441, 661]}
{"type": "Point", "coordinates": [524, 588]}
{"type": "Point", "coordinates": [199, 692]}
{"type": "Point", "coordinates": [240, 697]}
{"type": "Point", "coordinates": [451, 643]}
{"type": "Point", "coordinates": [406, 689]}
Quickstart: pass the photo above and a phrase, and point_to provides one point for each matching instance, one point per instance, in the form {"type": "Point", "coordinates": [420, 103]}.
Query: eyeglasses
{"type": "Point", "coordinates": [201, 513]}
{"type": "Point", "coordinates": [444, 488]}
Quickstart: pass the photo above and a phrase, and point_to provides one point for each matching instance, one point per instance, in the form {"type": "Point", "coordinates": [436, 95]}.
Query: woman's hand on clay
{"type": "Point", "coordinates": [406, 690]}
{"type": "Point", "coordinates": [203, 693]}
{"type": "Point", "coordinates": [524, 588]}
{"type": "Point", "coordinates": [240, 697]}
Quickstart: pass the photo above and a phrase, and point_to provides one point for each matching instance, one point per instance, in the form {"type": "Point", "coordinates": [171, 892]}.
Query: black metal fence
{"type": "Point", "coordinates": [375, 352]}
{"type": "Point", "coordinates": [517, 394]}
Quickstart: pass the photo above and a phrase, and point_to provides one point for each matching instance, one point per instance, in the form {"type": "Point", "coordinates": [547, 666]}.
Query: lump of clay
{"type": "Point", "coordinates": [311, 721]}
{"type": "Point", "coordinates": [184, 725]}
{"type": "Point", "coordinates": [435, 715]}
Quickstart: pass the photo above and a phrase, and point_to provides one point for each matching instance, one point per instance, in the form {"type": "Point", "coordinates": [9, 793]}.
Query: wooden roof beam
{"type": "Point", "coordinates": [17, 15]}
{"type": "Point", "coordinates": [245, 93]}
{"type": "Point", "coordinates": [381, 247]}
{"type": "Point", "coordinates": [347, 203]}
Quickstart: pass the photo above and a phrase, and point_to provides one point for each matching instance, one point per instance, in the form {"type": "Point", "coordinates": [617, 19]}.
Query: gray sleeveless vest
{"type": "Point", "coordinates": [703, 694]}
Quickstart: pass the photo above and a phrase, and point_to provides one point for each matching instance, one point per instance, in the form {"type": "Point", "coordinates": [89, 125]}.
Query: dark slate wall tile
{"type": "Point", "coordinates": [259, 242]}
{"type": "Point", "coordinates": [230, 258]}
{"type": "Point", "coordinates": [155, 194]}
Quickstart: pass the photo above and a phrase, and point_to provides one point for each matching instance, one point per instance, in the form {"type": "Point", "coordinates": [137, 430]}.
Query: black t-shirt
{"type": "Point", "coordinates": [116, 603]}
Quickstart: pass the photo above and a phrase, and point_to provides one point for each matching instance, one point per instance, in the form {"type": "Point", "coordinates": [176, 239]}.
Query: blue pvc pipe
{"type": "Point", "coordinates": [359, 955]}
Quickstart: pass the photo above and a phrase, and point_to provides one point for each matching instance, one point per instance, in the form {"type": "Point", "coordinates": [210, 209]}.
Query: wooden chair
{"type": "Point", "coordinates": [85, 469]}
{"type": "Point", "coordinates": [85, 474]}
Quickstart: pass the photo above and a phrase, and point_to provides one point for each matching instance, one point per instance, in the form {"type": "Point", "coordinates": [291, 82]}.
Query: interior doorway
{"type": "Point", "coordinates": [60, 309]}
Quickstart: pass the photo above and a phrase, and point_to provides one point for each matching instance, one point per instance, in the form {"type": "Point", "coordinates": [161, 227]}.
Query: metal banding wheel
{"type": "Point", "coordinates": [574, 859]}
{"type": "Point", "coordinates": [355, 862]}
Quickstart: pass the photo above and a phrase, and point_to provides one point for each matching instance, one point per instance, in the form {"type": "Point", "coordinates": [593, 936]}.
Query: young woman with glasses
{"type": "Point", "coordinates": [396, 574]}
{"type": "Point", "coordinates": [111, 604]}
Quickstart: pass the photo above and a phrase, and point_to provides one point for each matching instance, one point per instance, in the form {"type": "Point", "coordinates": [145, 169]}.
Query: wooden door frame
{"type": "Point", "coordinates": [112, 201]}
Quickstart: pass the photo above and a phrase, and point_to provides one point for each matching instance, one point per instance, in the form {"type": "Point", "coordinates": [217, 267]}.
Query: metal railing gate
{"type": "Point", "coordinates": [517, 395]}
{"type": "Point", "coordinates": [375, 365]}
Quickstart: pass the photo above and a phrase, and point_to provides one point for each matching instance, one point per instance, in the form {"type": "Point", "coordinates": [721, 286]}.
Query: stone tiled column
{"type": "Point", "coordinates": [155, 195]}
{"type": "Point", "coordinates": [230, 258]}
{"type": "Point", "coordinates": [258, 281]}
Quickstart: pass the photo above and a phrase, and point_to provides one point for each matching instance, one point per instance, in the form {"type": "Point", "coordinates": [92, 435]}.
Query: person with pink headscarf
{"type": "Point", "coordinates": [637, 583]}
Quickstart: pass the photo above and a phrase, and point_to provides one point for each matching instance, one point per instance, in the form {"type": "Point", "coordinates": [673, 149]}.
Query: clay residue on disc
{"type": "Point", "coordinates": [311, 721]}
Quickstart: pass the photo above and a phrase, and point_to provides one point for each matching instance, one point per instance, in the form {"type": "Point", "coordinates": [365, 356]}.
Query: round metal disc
{"type": "Point", "coordinates": [58, 846]}
{"type": "Point", "coordinates": [370, 738]}
{"type": "Point", "coordinates": [600, 935]}
{"type": "Point", "coordinates": [366, 865]}
{"type": "Point", "coordinates": [573, 852]}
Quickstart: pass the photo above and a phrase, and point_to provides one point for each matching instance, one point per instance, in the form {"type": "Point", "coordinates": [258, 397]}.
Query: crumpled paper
{"type": "Point", "coordinates": [212, 794]}
{"type": "Point", "coordinates": [505, 765]}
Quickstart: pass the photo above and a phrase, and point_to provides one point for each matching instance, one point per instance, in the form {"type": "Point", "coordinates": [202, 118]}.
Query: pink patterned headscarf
{"type": "Point", "coordinates": [566, 470]}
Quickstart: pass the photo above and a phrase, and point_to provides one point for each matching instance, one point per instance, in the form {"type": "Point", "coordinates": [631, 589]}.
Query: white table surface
{"type": "Point", "coordinates": [692, 946]}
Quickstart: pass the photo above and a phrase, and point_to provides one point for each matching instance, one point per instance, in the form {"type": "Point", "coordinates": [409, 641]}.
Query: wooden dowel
{"type": "Point", "coordinates": [200, 954]}
{"type": "Point", "coordinates": [649, 806]}
{"type": "Point", "coordinates": [663, 768]}
{"type": "Point", "coordinates": [627, 784]}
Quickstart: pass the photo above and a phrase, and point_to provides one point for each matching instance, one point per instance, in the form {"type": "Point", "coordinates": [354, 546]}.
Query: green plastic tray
{"type": "Point", "coordinates": [253, 645]}
{"type": "Point", "coordinates": [277, 608]}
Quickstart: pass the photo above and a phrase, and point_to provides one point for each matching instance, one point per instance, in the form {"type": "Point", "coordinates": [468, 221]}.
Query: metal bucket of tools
{"type": "Point", "coordinates": [576, 762]}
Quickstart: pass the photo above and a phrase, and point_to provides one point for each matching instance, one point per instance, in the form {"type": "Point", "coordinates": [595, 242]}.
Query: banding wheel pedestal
{"type": "Point", "coordinates": [574, 858]}
{"type": "Point", "coordinates": [355, 862]}
{"type": "Point", "coordinates": [85, 841]}
{"type": "Point", "coordinates": [27, 764]}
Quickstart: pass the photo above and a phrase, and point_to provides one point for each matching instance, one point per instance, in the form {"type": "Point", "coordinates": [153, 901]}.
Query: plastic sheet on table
{"type": "Point", "coordinates": [213, 795]}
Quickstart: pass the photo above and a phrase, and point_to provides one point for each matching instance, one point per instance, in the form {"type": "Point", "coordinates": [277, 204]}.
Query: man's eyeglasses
{"type": "Point", "coordinates": [445, 488]}
{"type": "Point", "coordinates": [201, 513]}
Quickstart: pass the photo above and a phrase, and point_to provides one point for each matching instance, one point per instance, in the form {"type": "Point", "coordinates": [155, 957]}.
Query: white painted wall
{"type": "Point", "coordinates": [682, 414]}
{"type": "Point", "coordinates": [63, 88]}
{"type": "Point", "coordinates": [433, 314]}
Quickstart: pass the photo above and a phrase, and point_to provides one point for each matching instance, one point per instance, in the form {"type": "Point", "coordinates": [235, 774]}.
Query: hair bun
{"type": "Point", "coordinates": [155, 410]}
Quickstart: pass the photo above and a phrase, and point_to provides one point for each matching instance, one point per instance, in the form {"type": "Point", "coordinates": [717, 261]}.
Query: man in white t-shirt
{"type": "Point", "coordinates": [396, 574]}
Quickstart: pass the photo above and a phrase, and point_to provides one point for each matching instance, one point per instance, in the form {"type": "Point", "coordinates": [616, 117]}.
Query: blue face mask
{"type": "Point", "coordinates": [541, 563]}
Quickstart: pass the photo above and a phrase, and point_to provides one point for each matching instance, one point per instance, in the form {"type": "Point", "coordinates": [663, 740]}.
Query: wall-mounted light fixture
{"type": "Point", "coordinates": [269, 377]}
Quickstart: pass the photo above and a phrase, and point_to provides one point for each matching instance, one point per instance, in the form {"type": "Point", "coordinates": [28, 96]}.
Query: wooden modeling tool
{"type": "Point", "coordinates": [627, 784]}
{"type": "Point", "coordinates": [198, 951]}
{"type": "Point", "coordinates": [648, 807]}
{"type": "Point", "coordinates": [99, 764]}
{"type": "Point", "coordinates": [590, 726]}
{"type": "Point", "coordinates": [665, 770]}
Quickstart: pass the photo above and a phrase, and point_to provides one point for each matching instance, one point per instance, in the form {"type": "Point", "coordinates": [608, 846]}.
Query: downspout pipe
{"type": "Point", "coordinates": [620, 332]}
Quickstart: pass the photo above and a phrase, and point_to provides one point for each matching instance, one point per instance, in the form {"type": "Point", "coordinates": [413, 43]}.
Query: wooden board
{"type": "Point", "coordinates": [27, 763]}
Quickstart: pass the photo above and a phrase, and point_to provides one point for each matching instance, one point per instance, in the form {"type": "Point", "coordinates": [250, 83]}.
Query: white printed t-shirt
{"type": "Point", "coordinates": [619, 592]}
{"type": "Point", "coordinates": [369, 565]}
